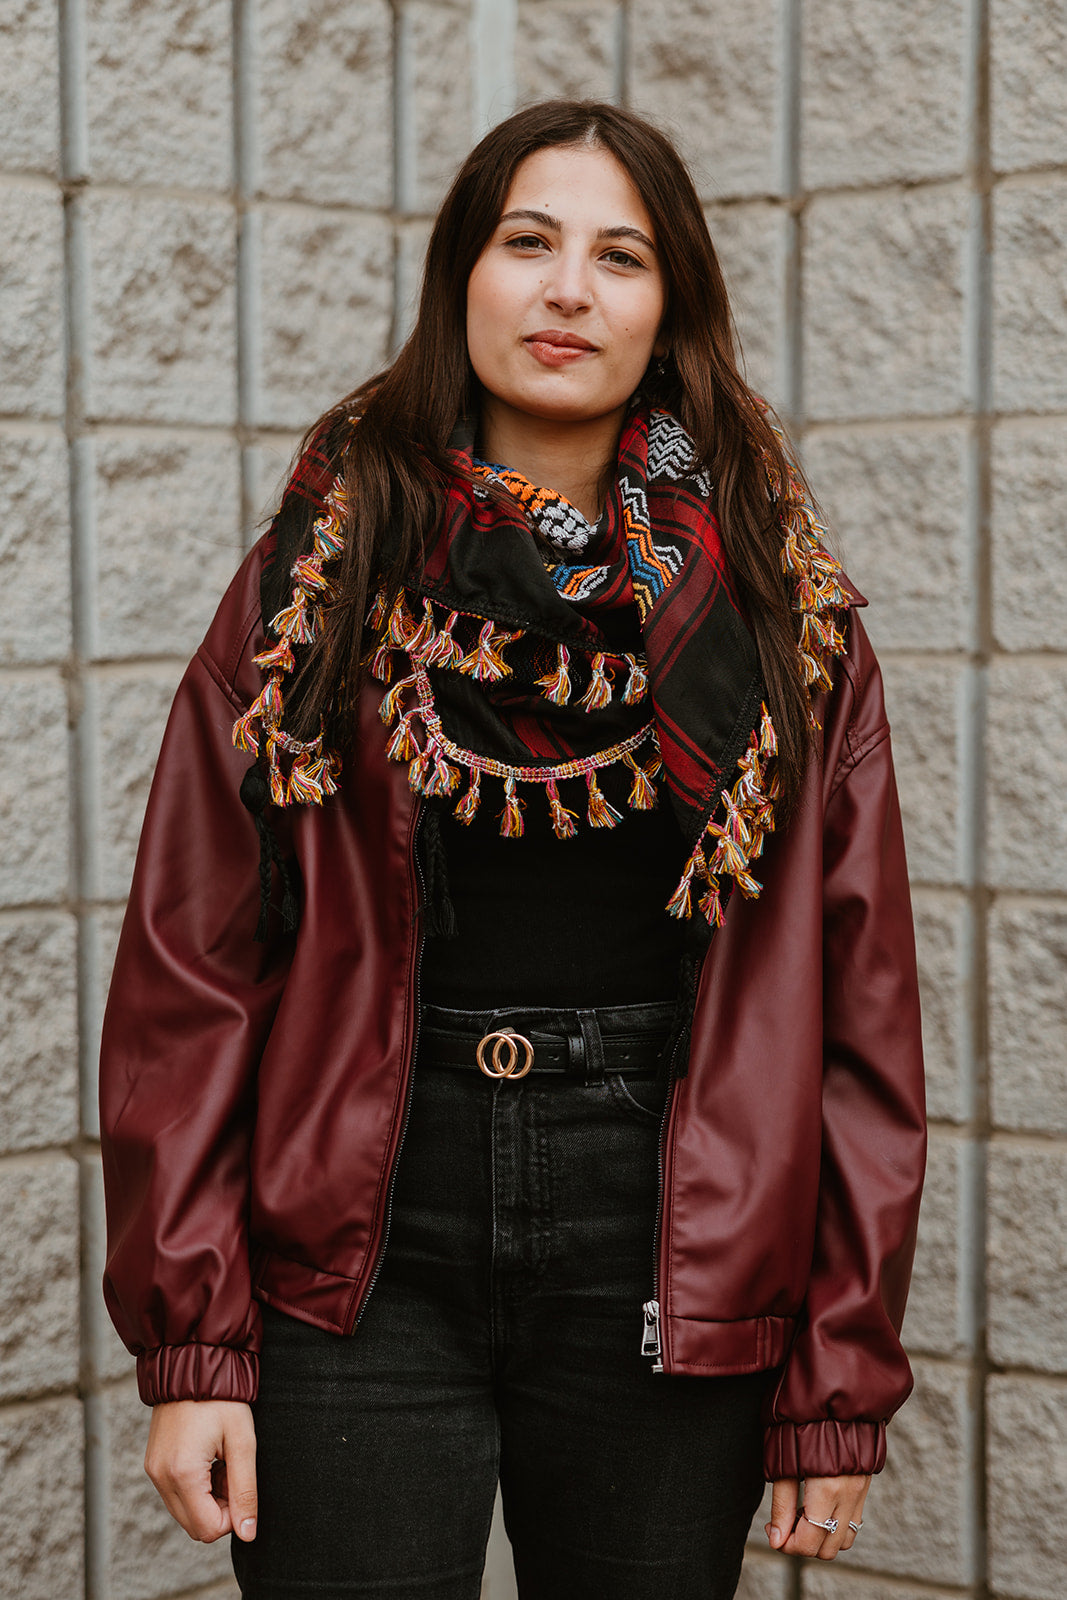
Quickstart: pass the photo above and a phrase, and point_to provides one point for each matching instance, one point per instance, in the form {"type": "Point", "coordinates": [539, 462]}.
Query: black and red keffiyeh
{"type": "Point", "coordinates": [536, 651]}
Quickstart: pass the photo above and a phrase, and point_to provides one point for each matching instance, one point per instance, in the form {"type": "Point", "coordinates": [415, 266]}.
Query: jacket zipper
{"type": "Point", "coordinates": [651, 1338]}
{"type": "Point", "coordinates": [651, 1328]}
{"type": "Point", "coordinates": [388, 1213]}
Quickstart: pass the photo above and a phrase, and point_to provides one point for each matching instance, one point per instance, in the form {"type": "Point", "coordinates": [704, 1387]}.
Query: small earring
{"type": "Point", "coordinates": [661, 364]}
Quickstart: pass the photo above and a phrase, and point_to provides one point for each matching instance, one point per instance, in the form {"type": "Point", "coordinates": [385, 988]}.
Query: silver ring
{"type": "Point", "coordinates": [855, 1526]}
{"type": "Point", "coordinates": [830, 1524]}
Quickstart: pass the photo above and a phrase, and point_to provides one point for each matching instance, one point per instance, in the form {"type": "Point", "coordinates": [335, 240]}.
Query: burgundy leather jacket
{"type": "Point", "coordinates": [253, 1096]}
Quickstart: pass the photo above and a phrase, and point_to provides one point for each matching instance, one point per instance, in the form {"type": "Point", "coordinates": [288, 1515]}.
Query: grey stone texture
{"type": "Point", "coordinates": [128, 711]}
{"type": "Point", "coordinates": [883, 292]}
{"type": "Point", "coordinates": [926, 1485]}
{"type": "Point", "coordinates": [1027, 1260]}
{"type": "Point", "coordinates": [31, 300]}
{"type": "Point", "coordinates": [167, 518]}
{"type": "Point", "coordinates": [435, 66]}
{"type": "Point", "coordinates": [149, 1555]}
{"type": "Point", "coordinates": [940, 1317]}
{"type": "Point", "coordinates": [1029, 58]}
{"type": "Point", "coordinates": [1027, 763]}
{"type": "Point", "coordinates": [567, 50]}
{"type": "Point", "coordinates": [162, 309]}
{"type": "Point", "coordinates": [751, 239]}
{"type": "Point", "coordinates": [247, 191]}
{"type": "Point", "coordinates": [38, 1031]}
{"type": "Point", "coordinates": [765, 1578]}
{"type": "Point", "coordinates": [924, 714]}
{"type": "Point", "coordinates": [711, 77]}
{"type": "Point", "coordinates": [34, 863]}
{"type": "Point", "coordinates": [1030, 295]}
{"type": "Point", "coordinates": [1028, 1016]}
{"type": "Point", "coordinates": [820, 1581]}
{"type": "Point", "coordinates": [943, 949]}
{"type": "Point", "coordinates": [34, 548]}
{"type": "Point", "coordinates": [327, 296]}
{"type": "Point", "coordinates": [883, 91]}
{"type": "Point", "coordinates": [323, 101]}
{"type": "Point", "coordinates": [99, 941]}
{"type": "Point", "coordinates": [38, 1276]}
{"type": "Point", "coordinates": [29, 105]}
{"type": "Point", "coordinates": [1027, 1486]}
{"type": "Point", "coordinates": [159, 92]}
{"type": "Point", "coordinates": [897, 499]}
{"type": "Point", "coordinates": [105, 1357]}
{"type": "Point", "coordinates": [42, 1511]}
{"type": "Point", "coordinates": [1029, 552]}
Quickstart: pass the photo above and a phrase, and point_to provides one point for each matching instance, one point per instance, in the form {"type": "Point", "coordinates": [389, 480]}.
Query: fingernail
{"type": "Point", "coordinates": [248, 1528]}
{"type": "Point", "coordinates": [775, 1536]}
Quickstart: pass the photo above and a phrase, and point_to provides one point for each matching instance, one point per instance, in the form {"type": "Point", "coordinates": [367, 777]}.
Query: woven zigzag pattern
{"type": "Point", "coordinates": [731, 836]}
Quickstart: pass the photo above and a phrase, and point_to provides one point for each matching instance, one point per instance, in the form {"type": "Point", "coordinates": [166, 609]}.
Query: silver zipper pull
{"type": "Point", "coordinates": [650, 1345]}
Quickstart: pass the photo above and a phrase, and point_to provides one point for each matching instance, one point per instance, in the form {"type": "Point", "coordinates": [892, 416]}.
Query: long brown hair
{"type": "Point", "coordinates": [395, 461]}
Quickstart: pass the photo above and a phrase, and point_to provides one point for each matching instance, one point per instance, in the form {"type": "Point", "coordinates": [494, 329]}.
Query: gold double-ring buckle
{"type": "Point", "coordinates": [505, 1054]}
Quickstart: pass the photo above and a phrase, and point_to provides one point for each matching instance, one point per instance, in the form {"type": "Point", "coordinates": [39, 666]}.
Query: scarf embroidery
{"type": "Point", "coordinates": [555, 702]}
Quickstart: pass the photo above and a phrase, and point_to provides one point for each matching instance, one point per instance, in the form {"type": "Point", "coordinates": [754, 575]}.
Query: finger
{"type": "Point", "coordinates": [184, 1486]}
{"type": "Point", "coordinates": [783, 1512]}
{"type": "Point", "coordinates": [855, 1516]}
{"type": "Point", "coordinates": [239, 1448]}
{"type": "Point", "coordinates": [812, 1537]}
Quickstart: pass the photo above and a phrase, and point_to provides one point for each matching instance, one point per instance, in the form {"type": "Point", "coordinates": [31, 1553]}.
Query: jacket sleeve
{"type": "Point", "coordinates": [847, 1372]}
{"type": "Point", "coordinates": [192, 1000]}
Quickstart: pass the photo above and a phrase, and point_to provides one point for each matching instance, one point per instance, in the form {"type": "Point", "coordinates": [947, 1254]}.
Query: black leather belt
{"type": "Point", "coordinates": [581, 1044]}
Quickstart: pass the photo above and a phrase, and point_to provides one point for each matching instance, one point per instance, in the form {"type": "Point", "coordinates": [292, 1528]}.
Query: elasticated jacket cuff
{"type": "Point", "coordinates": [197, 1372]}
{"type": "Point", "coordinates": [823, 1449]}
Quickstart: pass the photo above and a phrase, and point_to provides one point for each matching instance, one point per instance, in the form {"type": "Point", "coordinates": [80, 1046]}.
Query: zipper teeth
{"type": "Point", "coordinates": [656, 1232]}
{"type": "Point", "coordinates": [387, 1222]}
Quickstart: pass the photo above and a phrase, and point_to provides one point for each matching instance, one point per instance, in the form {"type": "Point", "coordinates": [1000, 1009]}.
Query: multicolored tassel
{"type": "Point", "coordinates": [466, 809]}
{"type": "Point", "coordinates": [643, 790]}
{"type": "Point", "coordinates": [557, 685]}
{"type": "Point", "coordinates": [511, 823]}
{"type": "Point", "coordinates": [485, 661]}
{"type": "Point", "coordinates": [598, 694]}
{"type": "Point", "coordinates": [601, 813]}
{"type": "Point", "coordinates": [637, 682]}
{"type": "Point", "coordinates": [401, 746]}
{"type": "Point", "coordinates": [443, 650]}
{"type": "Point", "coordinates": [564, 822]}
{"type": "Point", "coordinates": [296, 621]}
{"type": "Point", "coordinates": [680, 903]}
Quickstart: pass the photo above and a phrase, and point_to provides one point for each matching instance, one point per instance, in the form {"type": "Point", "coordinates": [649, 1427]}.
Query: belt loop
{"type": "Point", "coordinates": [576, 1057]}
{"type": "Point", "coordinates": [594, 1046]}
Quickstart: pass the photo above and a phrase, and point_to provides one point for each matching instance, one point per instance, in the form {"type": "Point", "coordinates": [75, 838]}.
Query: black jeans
{"type": "Point", "coordinates": [502, 1339]}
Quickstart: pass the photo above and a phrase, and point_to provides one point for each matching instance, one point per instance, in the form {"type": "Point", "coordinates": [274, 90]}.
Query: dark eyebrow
{"type": "Point", "coordinates": [543, 220]}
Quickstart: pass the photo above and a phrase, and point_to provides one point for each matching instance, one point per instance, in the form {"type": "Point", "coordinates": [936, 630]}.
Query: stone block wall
{"type": "Point", "coordinates": [212, 216]}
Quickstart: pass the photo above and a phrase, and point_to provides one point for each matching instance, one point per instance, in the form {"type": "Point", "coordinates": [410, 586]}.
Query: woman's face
{"type": "Point", "coordinates": [565, 303]}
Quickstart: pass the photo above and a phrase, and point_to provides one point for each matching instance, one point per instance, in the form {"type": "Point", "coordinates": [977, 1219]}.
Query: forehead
{"type": "Point", "coordinates": [580, 185]}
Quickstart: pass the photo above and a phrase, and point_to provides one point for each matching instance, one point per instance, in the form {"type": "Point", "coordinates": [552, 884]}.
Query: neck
{"type": "Point", "coordinates": [569, 457]}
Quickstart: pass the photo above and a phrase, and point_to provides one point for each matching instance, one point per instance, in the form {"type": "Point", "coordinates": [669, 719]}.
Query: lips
{"type": "Point", "coordinates": [563, 341]}
{"type": "Point", "coordinates": [554, 347]}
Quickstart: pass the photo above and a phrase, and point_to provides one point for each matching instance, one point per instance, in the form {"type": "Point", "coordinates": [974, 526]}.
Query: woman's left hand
{"type": "Point", "coordinates": [825, 1499]}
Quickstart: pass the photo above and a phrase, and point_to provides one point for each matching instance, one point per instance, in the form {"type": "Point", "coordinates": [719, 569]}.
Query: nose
{"type": "Point", "coordinates": [568, 284]}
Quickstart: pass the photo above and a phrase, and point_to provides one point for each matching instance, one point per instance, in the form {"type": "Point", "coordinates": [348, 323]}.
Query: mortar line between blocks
{"type": "Point", "coordinates": [404, 164]}
{"type": "Point", "coordinates": [979, 332]}
{"type": "Point", "coordinates": [620, 56]}
{"type": "Point", "coordinates": [75, 165]}
{"type": "Point", "coordinates": [792, 372]}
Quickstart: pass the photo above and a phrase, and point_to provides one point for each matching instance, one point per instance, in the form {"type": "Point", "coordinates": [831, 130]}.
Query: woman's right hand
{"type": "Point", "coordinates": [201, 1456]}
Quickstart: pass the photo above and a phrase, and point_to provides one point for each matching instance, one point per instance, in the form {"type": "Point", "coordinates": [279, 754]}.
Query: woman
{"type": "Point", "coordinates": [540, 655]}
